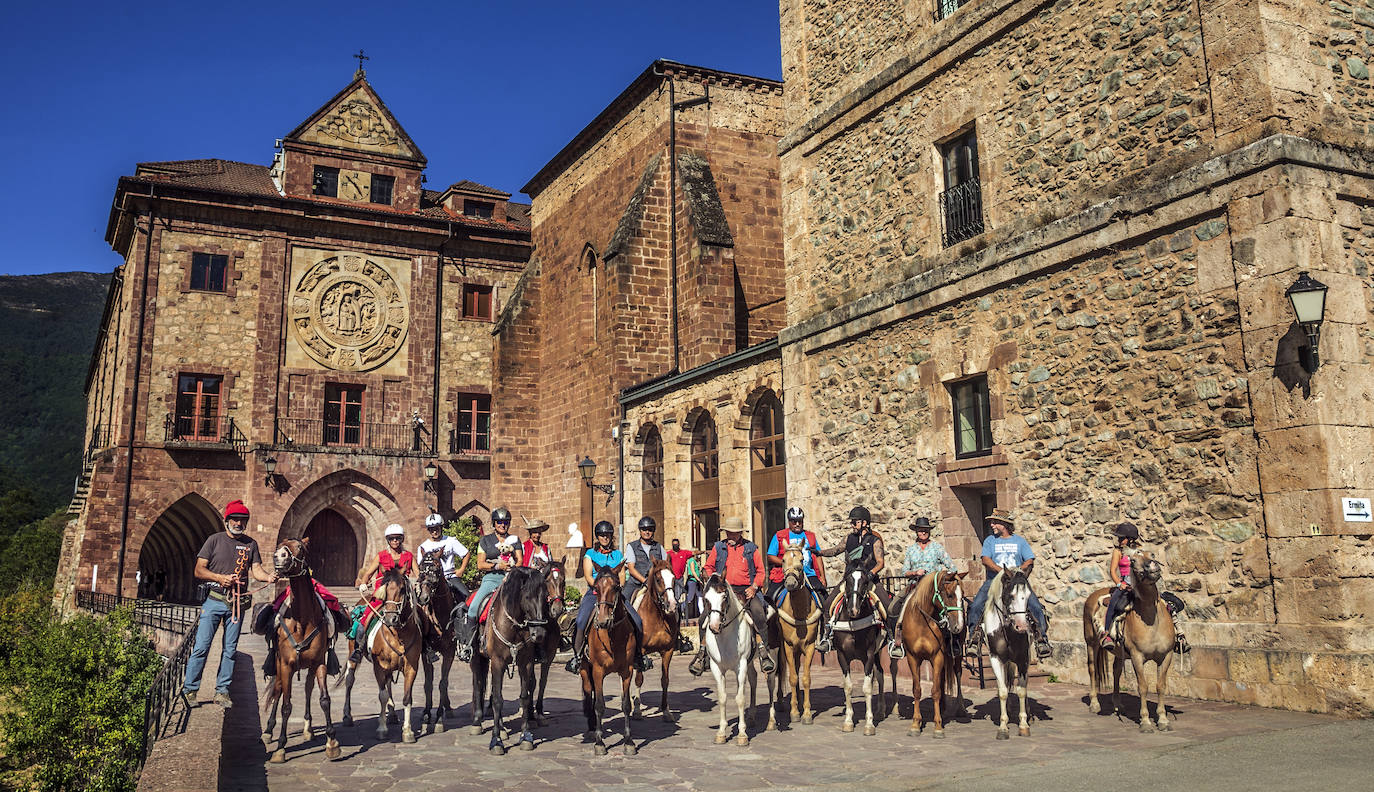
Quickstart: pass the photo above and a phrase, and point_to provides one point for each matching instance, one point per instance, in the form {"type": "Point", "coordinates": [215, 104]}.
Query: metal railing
{"type": "Point", "coordinates": [946, 8]}
{"type": "Point", "coordinates": [199, 430]}
{"type": "Point", "coordinates": [393, 438]}
{"type": "Point", "coordinates": [460, 444]}
{"type": "Point", "coordinates": [167, 685]}
{"type": "Point", "coordinates": [961, 212]}
{"type": "Point", "coordinates": [102, 437]}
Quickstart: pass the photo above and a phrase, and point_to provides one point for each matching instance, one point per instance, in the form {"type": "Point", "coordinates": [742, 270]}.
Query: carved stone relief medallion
{"type": "Point", "coordinates": [348, 313]}
{"type": "Point", "coordinates": [356, 121]}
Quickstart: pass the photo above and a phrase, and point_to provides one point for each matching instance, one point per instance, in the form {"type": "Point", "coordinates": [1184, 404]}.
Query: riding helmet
{"type": "Point", "coordinates": [860, 513]}
{"type": "Point", "coordinates": [795, 514]}
{"type": "Point", "coordinates": [394, 530]}
{"type": "Point", "coordinates": [501, 515]}
{"type": "Point", "coordinates": [603, 528]}
{"type": "Point", "coordinates": [1127, 531]}
{"type": "Point", "coordinates": [647, 524]}
{"type": "Point", "coordinates": [434, 520]}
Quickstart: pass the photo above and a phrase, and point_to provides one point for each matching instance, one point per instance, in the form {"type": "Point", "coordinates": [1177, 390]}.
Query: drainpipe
{"type": "Point", "coordinates": [133, 409]}
{"type": "Point", "coordinates": [438, 345]}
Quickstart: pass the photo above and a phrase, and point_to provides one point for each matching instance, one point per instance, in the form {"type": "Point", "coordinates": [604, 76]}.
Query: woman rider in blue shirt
{"type": "Point", "coordinates": [603, 557]}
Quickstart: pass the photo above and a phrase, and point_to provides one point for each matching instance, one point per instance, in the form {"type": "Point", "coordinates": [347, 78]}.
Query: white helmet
{"type": "Point", "coordinates": [434, 520]}
{"type": "Point", "coordinates": [394, 530]}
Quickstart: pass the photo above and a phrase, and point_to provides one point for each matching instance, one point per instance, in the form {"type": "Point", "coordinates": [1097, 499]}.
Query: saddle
{"type": "Point", "coordinates": [878, 616]}
{"type": "Point", "coordinates": [1115, 629]}
{"type": "Point", "coordinates": [486, 607]}
{"type": "Point", "coordinates": [782, 598]}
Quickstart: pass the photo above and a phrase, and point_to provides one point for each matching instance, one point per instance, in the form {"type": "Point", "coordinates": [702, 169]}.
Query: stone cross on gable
{"type": "Point", "coordinates": [361, 57]}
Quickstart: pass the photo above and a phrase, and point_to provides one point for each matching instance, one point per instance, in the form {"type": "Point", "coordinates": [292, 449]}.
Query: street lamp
{"type": "Point", "coordinates": [431, 476]}
{"type": "Point", "coordinates": [1308, 297]}
{"type": "Point", "coordinates": [587, 469]}
{"type": "Point", "coordinates": [270, 465]}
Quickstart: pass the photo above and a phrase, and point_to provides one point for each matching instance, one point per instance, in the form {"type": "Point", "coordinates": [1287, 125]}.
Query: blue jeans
{"type": "Point", "coordinates": [588, 604]}
{"type": "Point", "coordinates": [1033, 607]}
{"type": "Point", "coordinates": [212, 613]}
{"type": "Point", "coordinates": [488, 587]}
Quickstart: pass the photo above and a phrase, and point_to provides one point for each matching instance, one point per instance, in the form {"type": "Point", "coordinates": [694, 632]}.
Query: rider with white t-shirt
{"type": "Point", "coordinates": [1005, 550]}
{"type": "Point", "coordinates": [451, 552]}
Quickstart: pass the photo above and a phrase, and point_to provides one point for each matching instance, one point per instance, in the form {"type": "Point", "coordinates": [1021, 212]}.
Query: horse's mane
{"type": "Point", "coordinates": [925, 589]}
{"type": "Point", "coordinates": [395, 575]}
{"type": "Point", "coordinates": [513, 590]}
{"type": "Point", "coordinates": [655, 581]}
{"type": "Point", "coordinates": [995, 590]}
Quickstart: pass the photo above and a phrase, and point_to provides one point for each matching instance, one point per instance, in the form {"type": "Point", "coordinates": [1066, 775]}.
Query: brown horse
{"type": "Point", "coordinates": [611, 649]}
{"type": "Point", "coordinates": [395, 649]}
{"type": "Point", "coordinates": [657, 606]}
{"type": "Point", "coordinates": [1147, 633]}
{"type": "Point", "coordinates": [932, 615]}
{"type": "Point", "coordinates": [514, 629]}
{"type": "Point", "coordinates": [303, 633]}
{"type": "Point", "coordinates": [436, 608]}
{"type": "Point", "coordinates": [556, 583]}
{"type": "Point", "coordinates": [799, 623]}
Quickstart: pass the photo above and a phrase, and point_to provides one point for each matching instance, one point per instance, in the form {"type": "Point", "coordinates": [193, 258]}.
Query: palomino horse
{"type": "Point", "coordinates": [395, 649]}
{"type": "Point", "coordinates": [437, 604]}
{"type": "Point", "coordinates": [1007, 627]}
{"type": "Point", "coordinates": [799, 622]}
{"type": "Point", "coordinates": [931, 618]}
{"type": "Point", "coordinates": [513, 631]}
{"type": "Point", "coordinates": [302, 645]}
{"type": "Point", "coordinates": [611, 648]}
{"type": "Point", "coordinates": [1147, 633]}
{"type": "Point", "coordinates": [555, 582]}
{"type": "Point", "coordinates": [729, 638]}
{"type": "Point", "coordinates": [858, 636]}
{"type": "Point", "coordinates": [657, 606]}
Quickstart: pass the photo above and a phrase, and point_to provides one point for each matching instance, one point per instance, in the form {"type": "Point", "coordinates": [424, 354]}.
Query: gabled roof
{"type": "Point", "coordinates": [240, 178]}
{"type": "Point", "coordinates": [356, 119]}
{"type": "Point", "coordinates": [466, 185]}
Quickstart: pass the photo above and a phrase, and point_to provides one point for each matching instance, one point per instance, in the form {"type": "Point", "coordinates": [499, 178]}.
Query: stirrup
{"type": "Point", "coordinates": [574, 664]}
{"type": "Point", "coordinates": [895, 650]}
{"type": "Point", "coordinates": [698, 665]}
{"type": "Point", "coordinates": [644, 663]}
{"type": "Point", "coordinates": [1181, 644]}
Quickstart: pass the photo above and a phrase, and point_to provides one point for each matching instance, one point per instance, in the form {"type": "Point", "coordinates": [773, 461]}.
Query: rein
{"type": "Point", "coordinates": [729, 598]}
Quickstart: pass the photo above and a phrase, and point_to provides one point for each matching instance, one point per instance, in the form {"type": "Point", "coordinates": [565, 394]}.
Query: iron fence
{"type": "Point", "coordinates": [961, 212]}
{"type": "Point", "coordinates": [198, 430]}
{"type": "Point", "coordinates": [407, 438]}
{"type": "Point", "coordinates": [159, 708]}
{"type": "Point", "coordinates": [102, 437]}
{"type": "Point", "coordinates": [946, 8]}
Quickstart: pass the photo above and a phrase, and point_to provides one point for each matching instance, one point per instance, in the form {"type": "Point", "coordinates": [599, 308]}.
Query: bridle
{"type": "Point", "coordinates": [716, 584]}
{"type": "Point", "coordinates": [295, 565]}
{"type": "Point", "coordinates": [1008, 594]}
{"type": "Point", "coordinates": [519, 625]}
{"type": "Point", "coordinates": [864, 584]}
{"type": "Point", "coordinates": [942, 608]}
{"type": "Point", "coordinates": [554, 589]}
{"type": "Point", "coordinates": [404, 608]}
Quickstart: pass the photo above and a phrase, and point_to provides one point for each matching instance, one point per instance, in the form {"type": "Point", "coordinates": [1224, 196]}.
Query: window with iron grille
{"type": "Point", "coordinates": [382, 188]}
{"type": "Point", "coordinates": [326, 181]}
{"type": "Point", "coordinates": [653, 461]}
{"type": "Point", "coordinates": [705, 456]}
{"type": "Point", "coordinates": [198, 405]}
{"type": "Point", "coordinates": [473, 435]}
{"type": "Point", "coordinates": [343, 414]}
{"type": "Point", "coordinates": [207, 271]}
{"type": "Point", "coordinates": [961, 203]}
{"type": "Point", "coordinates": [766, 435]}
{"type": "Point", "coordinates": [482, 209]}
{"type": "Point", "coordinates": [477, 301]}
{"type": "Point", "coordinates": [972, 417]}
{"type": "Point", "coordinates": [946, 8]}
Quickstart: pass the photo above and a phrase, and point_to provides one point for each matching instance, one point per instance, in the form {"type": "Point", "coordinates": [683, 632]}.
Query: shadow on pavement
{"type": "Point", "coordinates": [241, 763]}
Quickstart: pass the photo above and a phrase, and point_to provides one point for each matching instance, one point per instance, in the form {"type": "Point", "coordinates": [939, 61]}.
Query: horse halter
{"type": "Point", "coordinates": [294, 565]}
{"type": "Point", "coordinates": [393, 617]}
{"type": "Point", "coordinates": [943, 609]}
{"type": "Point", "coordinates": [727, 597]}
{"type": "Point", "coordinates": [554, 589]}
{"type": "Point", "coordinates": [1008, 593]}
{"type": "Point", "coordinates": [857, 584]}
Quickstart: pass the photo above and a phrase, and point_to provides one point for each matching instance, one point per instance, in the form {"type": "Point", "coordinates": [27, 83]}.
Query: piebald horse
{"type": "Point", "coordinates": [729, 639]}
{"type": "Point", "coordinates": [931, 620]}
{"type": "Point", "coordinates": [799, 622]}
{"type": "Point", "coordinates": [1006, 624]}
{"type": "Point", "coordinates": [656, 602]}
{"type": "Point", "coordinates": [395, 650]}
{"type": "Point", "coordinates": [858, 637]}
{"type": "Point", "coordinates": [1147, 634]}
{"type": "Point", "coordinates": [302, 645]}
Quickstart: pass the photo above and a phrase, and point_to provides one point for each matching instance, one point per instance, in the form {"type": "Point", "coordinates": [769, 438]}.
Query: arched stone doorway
{"type": "Point", "coordinates": [167, 557]}
{"type": "Point", "coordinates": [334, 556]}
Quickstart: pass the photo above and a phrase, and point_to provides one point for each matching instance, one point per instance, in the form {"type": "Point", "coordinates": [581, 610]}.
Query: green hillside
{"type": "Point", "coordinates": [48, 325]}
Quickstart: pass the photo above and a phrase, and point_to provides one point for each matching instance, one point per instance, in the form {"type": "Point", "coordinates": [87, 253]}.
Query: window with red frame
{"type": "Point", "coordinates": [198, 403]}
{"type": "Point", "coordinates": [343, 414]}
{"type": "Point", "coordinates": [473, 435]}
{"type": "Point", "coordinates": [207, 271]}
{"type": "Point", "coordinates": [477, 301]}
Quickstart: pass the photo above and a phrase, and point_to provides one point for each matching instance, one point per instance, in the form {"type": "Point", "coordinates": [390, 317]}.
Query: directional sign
{"type": "Point", "coordinates": [1357, 510]}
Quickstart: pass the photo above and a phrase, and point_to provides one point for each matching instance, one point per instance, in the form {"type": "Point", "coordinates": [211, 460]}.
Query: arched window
{"type": "Point", "coordinates": [705, 480]}
{"type": "Point", "coordinates": [591, 294]}
{"type": "Point", "coordinates": [765, 434]}
{"type": "Point", "coordinates": [652, 502]}
{"type": "Point", "coordinates": [768, 474]}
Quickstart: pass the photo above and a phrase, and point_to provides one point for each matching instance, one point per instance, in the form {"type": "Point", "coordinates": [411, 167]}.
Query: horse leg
{"type": "Point", "coordinates": [869, 669]}
{"type": "Point", "coordinates": [747, 677]}
{"type": "Point", "coordinates": [1143, 688]}
{"type": "Point", "coordinates": [408, 734]}
{"type": "Point", "coordinates": [768, 683]}
{"type": "Point", "coordinates": [429, 692]}
{"type": "Point", "coordinates": [269, 709]}
{"type": "Point", "coordinates": [1022, 672]}
{"type": "Point", "coordinates": [599, 709]}
{"type": "Point", "coordinates": [350, 673]}
{"type": "Point", "coordinates": [308, 730]}
{"type": "Point", "coordinates": [444, 705]}
{"type": "Point", "coordinates": [478, 667]}
{"type": "Point", "coordinates": [279, 755]}
{"type": "Point", "coordinates": [665, 710]}
{"type": "Point", "coordinates": [527, 672]}
{"type": "Point", "coordinates": [1118, 663]}
{"type": "Point", "coordinates": [1000, 670]}
{"type": "Point", "coordinates": [848, 702]}
{"type": "Point", "coordinates": [331, 743]}
{"type": "Point", "coordinates": [1094, 681]}
{"type": "Point", "coordinates": [383, 699]}
{"type": "Point", "coordinates": [937, 691]}
{"type": "Point", "coordinates": [808, 715]}
{"type": "Point", "coordinates": [723, 731]}
{"type": "Point", "coordinates": [588, 702]}
{"type": "Point", "coordinates": [914, 666]}
{"type": "Point", "coordinates": [1162, 673]}
{"type": "Point", "coordinates": [625, 680]}
{"type": "Point", "coordinates": [498, 703]}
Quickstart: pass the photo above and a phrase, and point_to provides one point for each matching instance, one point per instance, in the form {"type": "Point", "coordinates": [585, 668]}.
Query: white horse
{"type": "Point", "coordinates": [729, 640]}
{"type": "Point", "coordinates": [1007, 628]}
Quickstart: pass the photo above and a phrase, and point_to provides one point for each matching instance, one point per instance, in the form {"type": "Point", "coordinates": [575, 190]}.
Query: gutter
{"type": "Point", "coordinates": [651, 389]}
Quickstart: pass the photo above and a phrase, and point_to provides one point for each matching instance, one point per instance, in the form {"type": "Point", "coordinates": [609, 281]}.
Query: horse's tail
{"type": "Point", "coordinates": [1100, 664]}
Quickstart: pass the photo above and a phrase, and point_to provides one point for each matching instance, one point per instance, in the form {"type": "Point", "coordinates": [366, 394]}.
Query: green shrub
{"type": "Point", "coordinates": [75, 694]}
{"type": "Point", "coordinates": [572, 596]}
{"type": "Point", "coordinates": [465, 531]}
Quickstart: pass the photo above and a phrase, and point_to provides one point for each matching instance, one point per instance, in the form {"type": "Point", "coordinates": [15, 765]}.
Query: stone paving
{"type": "Point", "coordinates": [683, 756]}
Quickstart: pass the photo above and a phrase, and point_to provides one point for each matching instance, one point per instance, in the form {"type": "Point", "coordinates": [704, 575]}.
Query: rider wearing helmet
{"type": "Point", "coordinates": [860, 546]}
{"type": "Point", "coordinates": [1128, 537]}
{"type": "Point", "coordinates": [497, 553]}
{"type": "Point", "coordinates": [796, 534]}
{"type": "Point", "coordinates": [1004, 550]}
{"type": "Point", "coordinates": [394, 555]}
{"type": "Point", "coordinates": [602, 559]}
{"type": "Point", "coordinates": [451, 552]}
{"type": "Point", "coordinates": [640, 556]}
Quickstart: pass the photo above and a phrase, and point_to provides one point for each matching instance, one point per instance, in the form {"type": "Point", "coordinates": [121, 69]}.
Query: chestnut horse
{"type": "Point", "coordinates": [395, 649]}
{"type": "Point", "coordinates": [437, 604]}
{"type": "Point", "coordinates": [1147, 633]}
{"type": "Point", "coordinates": [303, 633]}
{"type": "Point", "coordinates": [799, 622]}
{"type": "Point", "coordinates": [657, 606]}
{"type": "Point", "coordinates": [515, 627]}
{"type": "Point", "coordinates": [556, 584]}
{"type": "Point", "coordinates": [932, 616]}
{"type": "Point", "coordinates": [611, 648]}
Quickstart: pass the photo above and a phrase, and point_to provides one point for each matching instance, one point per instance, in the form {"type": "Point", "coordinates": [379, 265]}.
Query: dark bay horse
{"type": "Point", "coordinates": [611, 648]}
{"type": "Point", "coordinates": [515, 628]}
{"type": "Point", "coordinates": [657, 606]}
{"type": "Point", "coordinates": [437, 604]}
{"type": "Point", "coordinates": [556, 583]}
{"type": "Point", "coordinates": [858, 637]}
{"type": "Point", "coordinates": [395, 647]}
{"type": "Point", "coordinates": [302, 645]}
{"type": "Point", "coordinates": [1147, 633]}
{"type": "Point", "coordinates": [932, 616]}
{"type": "Point", "coordinates": [1006, 624]}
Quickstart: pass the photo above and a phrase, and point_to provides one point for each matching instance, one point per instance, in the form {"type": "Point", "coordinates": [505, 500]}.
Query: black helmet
{"type": "Point", "coordinates": [647, 524]}
{"type": "Point", "coordinates": [603, 528]}
{"type": "Point", "coordinates": [1127, 531]}
{"type": "Point", "coordinates": [860, 513]}
{"type": "Point", "coordinates": [795, 514]}
{"type": "Point", "coordinates": [501, 515]}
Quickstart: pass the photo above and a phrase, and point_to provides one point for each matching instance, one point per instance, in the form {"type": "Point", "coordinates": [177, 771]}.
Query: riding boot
{"type": "Point", "coordinates": [895, 650]}
{"type": "Point", "coordinates": [825, 641]}
{"type": "Point", "coordinates": [684, 644]}
{"type": "Point", "coordinates": [643, 662]}
{"type": "Point", "coordinates": [269, 662]}
{"type": "Point", "coordinates": [465, 633]}
{"type": "Point", "coordinates": [1042, 647]}
{"type": "Point", "coordinates": [765, 657]}
{"type": "Point", "coordinates": [574, 663]}
{"type": "Point", "coordinates": [974, 645]}
{"type": "Point", "coordinates": [356, 656]}
{"type": "Point", "coordinates": [698, 666]}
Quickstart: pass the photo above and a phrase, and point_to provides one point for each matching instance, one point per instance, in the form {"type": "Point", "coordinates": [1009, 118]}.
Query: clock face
{"type": "Point", "coordinates": [354, 185]}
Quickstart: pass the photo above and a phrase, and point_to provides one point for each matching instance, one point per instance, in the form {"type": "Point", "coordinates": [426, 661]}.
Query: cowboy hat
{"type": "Point", "coordinates": [733, 525]}
{"type": "Point", "coordinates": [1002, 516]}
{"type": "Point", "coordinates": [921, 524]}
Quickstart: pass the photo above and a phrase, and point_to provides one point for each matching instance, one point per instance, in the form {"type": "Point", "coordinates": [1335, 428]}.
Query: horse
{"type": "Point", "coordinates": [729, 638]}
{"type": "Point", "coordinates": [515, 627]}
{"type": "Point", "coordinates": [437, 605]}
{"type": "Point", "coordinates": [556, 582]}
{"type": "Point", "coordinates": [657, 606]}
{"type": "Point", "coordinates": [611, 648]}
{"type": "Point", "coordinates": [1007, 627]}
{"type": "Point", "coordinates": [799, 622]}
{"type": "Point", "coordinates": [931, 619]}
{"type": "Point", "coordinates": [302, 645]}
{"type": "Point", "coordinates": [1147, 633]}
{"type": "Point", "coordinates": [395, 646]}
{"type": "Point", "coordinates": [858, 636]}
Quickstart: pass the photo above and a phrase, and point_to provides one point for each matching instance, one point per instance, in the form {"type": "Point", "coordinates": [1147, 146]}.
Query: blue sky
{"type": "Point", "coordinates": [489, 93]}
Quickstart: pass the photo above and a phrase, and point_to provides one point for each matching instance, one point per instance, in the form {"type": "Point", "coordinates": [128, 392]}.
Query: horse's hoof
{"type": "Point", "coordinates": [347, 721]}
{"type": "Point", "coordinates": [278, 757]}
{"type": "Point", "coordinates": [1146, 727]}
{"type": "Point", "coordinates": [1024, 731]}
{"type": "Point", "coordinates": [869, 731]}
{"type": "Point", "coordinates": [742, 741]}
{"type": "Point", "coordinates": [600, 750]}
{"type": "Point", "coordinates": [267, 738]}
{"type": "Point", "coordinates": [938, 734]}
{"type": "Point", "coordinates": [630, 749]}
{"type": "Point", "coordinates": [332, 751]}
{"type": "Point", "coordinates": [669, 717]}
{"type": "Point", "coordinates": [526, 745]}
{"type": "Point", "coordinates": [408, 737]}
{"type": "Point", "coordinates": [1166, 726]}
{"type": "Point", "coordinates": [808, 719]}
{"type": "Point", "coordinates": [1002, 734]}
{"type": "Point", "coordinates": [846, 728]}
{"type": "Point", "coordinates": [1094, 707]}
{"type": "Point", "coordinates": [439, 726]}
{"type": "Point", "coordinates": [722, 739]}
{"type": "Point", "coordinates": [474, 729]}
{"type": "Point", "coordinates": [497, 750]}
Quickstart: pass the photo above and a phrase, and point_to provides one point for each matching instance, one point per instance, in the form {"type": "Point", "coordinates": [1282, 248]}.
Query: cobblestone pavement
{"type": "Point", "coordinates": [683, 756]}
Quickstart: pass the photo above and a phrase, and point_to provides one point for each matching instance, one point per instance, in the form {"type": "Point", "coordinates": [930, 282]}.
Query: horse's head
{"type": "Point", "coordinates": [1016, 594]}
{"type": "Point", "coordinates": [289, 559]}
{"type": "Point", "coordinates": [1146, 569]}
{"type": "Point", "coordinates": [396, 598]}
{"type": "Point", "coordinates": [948, 600]}
{"type": "Point", "coordinates": [793, 569]}
{"type": "Point", "coordinates": [607, 588]}
{"type": "Point", "coordinates": [661, 584]}
{"type": "Point", "coordinates": [716, 595]}
{"type": "Point", "coordinates": [858, 581]}
{"type": "Point", "coordinates": [430, 577]}
{"type": "Point", "coordinates": [532, 601]}
{"type": "Point", "coordinates": [555, 584]}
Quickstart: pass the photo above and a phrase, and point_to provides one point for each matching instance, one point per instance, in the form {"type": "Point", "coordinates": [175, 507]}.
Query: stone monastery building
{"type": "Point", "coordinates": [1020, 254]}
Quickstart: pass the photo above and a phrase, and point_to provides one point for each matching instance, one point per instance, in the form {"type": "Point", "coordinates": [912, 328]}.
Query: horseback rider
{"type": "Point", "coordinates": [533, 550]}
{"type": "Point", "coordinates": [450, 551]}
{"type": "Point", "coordinates": [864, 547]}
{"type": "Point", "coordinates": [1128, 537]}
{"type": "Point", "coordinates": [1005, 550]}
{"type": "Point", "coordinates": [796, 534]}
{"type": "Point", "coordinates": [497, 553]}
{"type": "Point", "coordinates": [741, 564]}
{"type": "Point", "coordinates": [922, 558]}
{"type": "Point", "coordinates": [602, 559]}
{"type": "Point", "coordinates": [640, 556]}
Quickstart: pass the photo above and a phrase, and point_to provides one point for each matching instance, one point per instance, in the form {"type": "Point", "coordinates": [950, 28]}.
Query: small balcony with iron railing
{"type": "Point", "coordinates": [408, 438]}
{"type": "Point", "coordinates": [961, 212]}
{"type": "Point", "coordinates": [946, 8]}
{"type": "Point", "coordinates": [204, 432]}
{"type": "Point", "coordinates": [476, 445]}
{"type": "Point", "coordinates": [102, 438]}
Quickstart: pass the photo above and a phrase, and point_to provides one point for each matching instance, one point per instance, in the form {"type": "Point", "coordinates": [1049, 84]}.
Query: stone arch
{"type": "Point", "coordinates": [690, 422]}
{"type": "Point", "coordinates": [360, 500]}
{"type": "Point", "coordinates": [475, 508]}
{"type": "Point", "coordinates": [761, 390]}
{"type": "Point", "coordinates": [167, 555]}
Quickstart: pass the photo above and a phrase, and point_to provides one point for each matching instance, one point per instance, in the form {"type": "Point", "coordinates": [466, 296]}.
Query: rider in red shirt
{"type": "Point", "coordinates": [743, 569]}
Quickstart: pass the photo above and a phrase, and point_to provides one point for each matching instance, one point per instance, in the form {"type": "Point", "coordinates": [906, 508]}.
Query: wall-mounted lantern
{"type": "Point", "coordinates": [1308, 297]}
